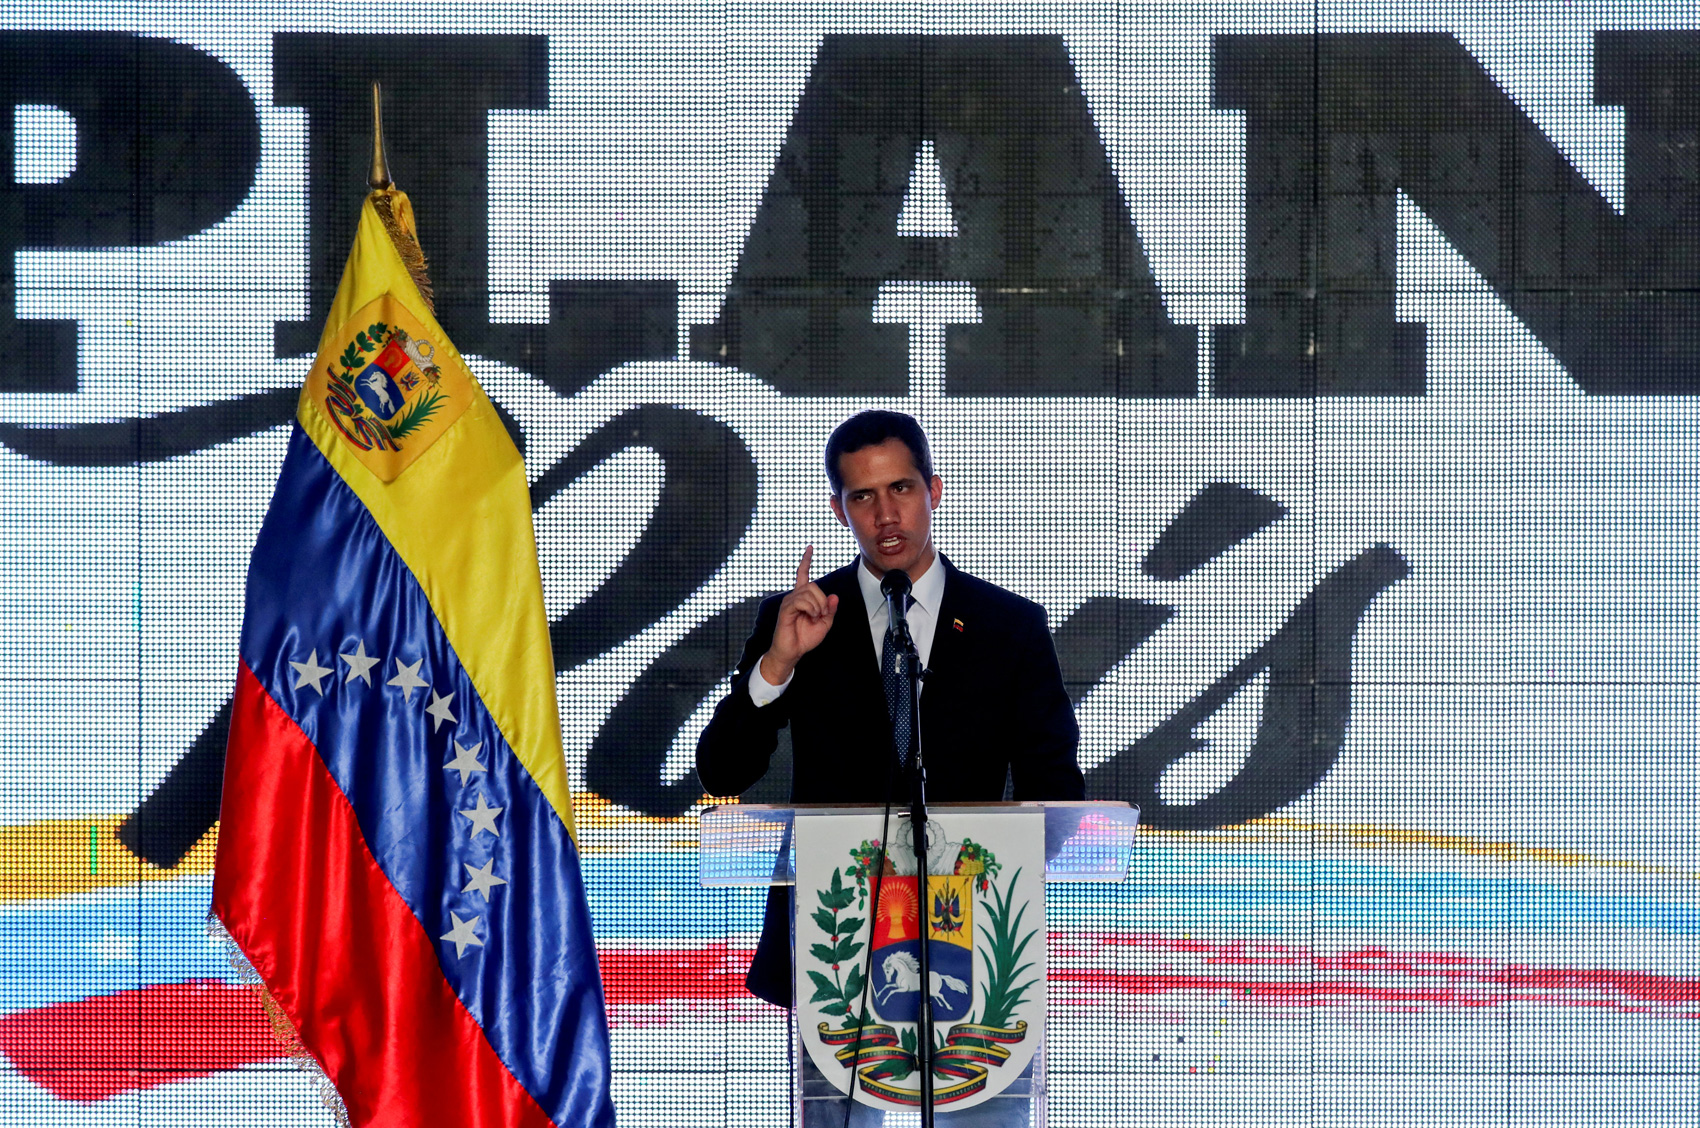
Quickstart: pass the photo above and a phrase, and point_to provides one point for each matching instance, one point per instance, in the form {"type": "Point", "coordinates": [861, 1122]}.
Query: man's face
{"type": "Point", "coordinates": [889, 507]}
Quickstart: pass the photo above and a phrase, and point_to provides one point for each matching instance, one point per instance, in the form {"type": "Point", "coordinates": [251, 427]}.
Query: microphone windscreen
{"type": "Point", "coordinates": [895, 582]}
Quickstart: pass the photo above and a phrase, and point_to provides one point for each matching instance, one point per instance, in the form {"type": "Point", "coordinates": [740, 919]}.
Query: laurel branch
{"type": "Point", "coordinates": [839, 993]}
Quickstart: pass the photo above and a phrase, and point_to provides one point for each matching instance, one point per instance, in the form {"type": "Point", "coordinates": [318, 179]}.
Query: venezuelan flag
{"type": "Point", "coordinates": [396, 855]}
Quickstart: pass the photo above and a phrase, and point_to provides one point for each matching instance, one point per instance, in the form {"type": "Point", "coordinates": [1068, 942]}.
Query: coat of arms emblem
{"type": "Point", "coordinates": [383, 386]}
{"type": "Point", "coordinates": [861, 921]}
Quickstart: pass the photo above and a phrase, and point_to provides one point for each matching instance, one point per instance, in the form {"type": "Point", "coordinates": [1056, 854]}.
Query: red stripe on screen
{"type": "Point", "coordinates": [338, 948]}
{"type": "Point", "coordinates": [95, 1048]}
{"type": "Point", "coordinates": [1094, 966]}
{"type": "Point", "coordinates": [634, 975]}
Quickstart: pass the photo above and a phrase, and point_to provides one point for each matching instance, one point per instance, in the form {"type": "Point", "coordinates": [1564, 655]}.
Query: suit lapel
{"type": "Point", "coordinates": [946, 638]}
{"type": "Point", "coordinates": [944, 696]}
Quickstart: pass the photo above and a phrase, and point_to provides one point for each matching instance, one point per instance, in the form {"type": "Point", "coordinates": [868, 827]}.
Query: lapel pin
{"type": "Point", "coordinates": [957, 623]}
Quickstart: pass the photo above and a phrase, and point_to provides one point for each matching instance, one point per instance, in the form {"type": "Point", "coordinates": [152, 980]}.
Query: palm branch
{"type": "Point", "coordinates": [415, 414]}
{"type": "Point", "coordinates": [1003, 994]}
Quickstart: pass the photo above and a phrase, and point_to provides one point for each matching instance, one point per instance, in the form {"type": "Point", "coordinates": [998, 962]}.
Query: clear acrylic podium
{"type": "Point", "coordinates": [749, 844]}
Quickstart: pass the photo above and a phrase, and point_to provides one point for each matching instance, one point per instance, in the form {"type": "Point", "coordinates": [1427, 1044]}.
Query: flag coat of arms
{"type": "Point", "coordinates": [396, 857]}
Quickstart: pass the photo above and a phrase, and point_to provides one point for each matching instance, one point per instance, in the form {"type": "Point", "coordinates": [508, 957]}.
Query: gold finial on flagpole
{"type": "Point", "coordinates": [392, 206]}
{"type": "Point", "coordinates": [379, 178]}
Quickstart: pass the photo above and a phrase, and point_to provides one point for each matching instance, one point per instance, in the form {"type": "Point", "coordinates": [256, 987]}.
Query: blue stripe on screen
{"type": "Point", "coordinates": [54, 947]}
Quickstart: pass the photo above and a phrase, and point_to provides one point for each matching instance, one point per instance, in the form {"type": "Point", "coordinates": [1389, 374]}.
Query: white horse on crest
{"type": "Point", "coordinates": [903, 974]}
{"type": "Point", "coordinates": [378, 384]}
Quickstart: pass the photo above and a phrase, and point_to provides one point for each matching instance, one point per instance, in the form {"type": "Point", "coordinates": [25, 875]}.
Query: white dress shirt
{"type": "Point", "coordinates": [924, 599]}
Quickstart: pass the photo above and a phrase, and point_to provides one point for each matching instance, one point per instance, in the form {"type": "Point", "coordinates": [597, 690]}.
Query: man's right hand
{"type": "Point", "coordinates": [805, 615]}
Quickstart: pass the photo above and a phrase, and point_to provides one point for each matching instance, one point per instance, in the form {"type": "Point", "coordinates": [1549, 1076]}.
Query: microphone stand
{"type": "Point", "coordinates": [918, 827]}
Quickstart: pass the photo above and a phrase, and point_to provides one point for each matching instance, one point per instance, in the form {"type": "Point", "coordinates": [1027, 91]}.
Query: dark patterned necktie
{"type": "Point", "coordinates": [896, 693]}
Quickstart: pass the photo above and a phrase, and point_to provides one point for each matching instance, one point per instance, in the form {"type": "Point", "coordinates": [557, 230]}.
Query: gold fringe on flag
{"type": "Point", "coordinates": [396, 211]}
{"type": "Point", "coordinates": [393, 207]}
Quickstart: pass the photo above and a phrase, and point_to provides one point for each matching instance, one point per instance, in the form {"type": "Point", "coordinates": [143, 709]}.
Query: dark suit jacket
{"type": "Point", "coordinates": [993, 703]}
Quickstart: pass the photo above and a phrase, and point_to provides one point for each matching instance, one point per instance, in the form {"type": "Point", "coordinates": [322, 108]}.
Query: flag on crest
{"type": "Point", "coordinates": [396, 856]}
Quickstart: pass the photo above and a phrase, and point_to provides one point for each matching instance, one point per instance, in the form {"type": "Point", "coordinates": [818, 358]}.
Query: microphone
{"type": "Point", "coordinates": [895, 586]}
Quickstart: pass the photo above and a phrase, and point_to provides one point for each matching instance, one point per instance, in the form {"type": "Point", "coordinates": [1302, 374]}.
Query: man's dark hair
{"type": "Point", "coordinates": [871, 428]}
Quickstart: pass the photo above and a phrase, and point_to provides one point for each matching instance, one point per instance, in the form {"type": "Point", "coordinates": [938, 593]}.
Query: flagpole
{"type": "Point", "coordinates": [386, 200]}
{"type": "Point", "coordinates": [379, 177]}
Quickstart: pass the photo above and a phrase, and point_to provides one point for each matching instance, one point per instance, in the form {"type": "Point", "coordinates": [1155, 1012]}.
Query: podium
{"type": "Point", "coordinates": [856, 988]}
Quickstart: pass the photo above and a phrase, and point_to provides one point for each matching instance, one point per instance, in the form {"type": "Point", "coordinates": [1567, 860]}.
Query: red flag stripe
{"type": "Point", "coordinates": [336, 944]}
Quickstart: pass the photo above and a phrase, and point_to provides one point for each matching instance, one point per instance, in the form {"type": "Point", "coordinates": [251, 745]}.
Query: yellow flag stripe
{"type": "Point", "coordinates": [460, 518]}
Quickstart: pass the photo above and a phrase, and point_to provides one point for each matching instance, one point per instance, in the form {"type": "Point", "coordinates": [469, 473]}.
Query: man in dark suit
{"type": "Point", "coordinates": [992, 705]}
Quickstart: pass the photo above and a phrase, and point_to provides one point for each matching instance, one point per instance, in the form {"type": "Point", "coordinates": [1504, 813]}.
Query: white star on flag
{"type": "Point", "coordinates": [311, 673]}
{"type": "Point", "coordinates": [439, 709]}
{"type": "Point", "coordinates": [465, 762]}
{"type": "Point", "coordinates": [461, 935]}
{"type": "Point", "coordinates": [407, 679]}
{"type": "Point", "coordinates": [483, 818]}
{"type": "Point", "coordinates": [482, 880]}
{"type": "Point", "coordinates": [359, 665]}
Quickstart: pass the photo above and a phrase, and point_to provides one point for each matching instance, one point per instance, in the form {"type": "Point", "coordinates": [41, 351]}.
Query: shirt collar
{"type": "Point", "coordinates": [926, 592]}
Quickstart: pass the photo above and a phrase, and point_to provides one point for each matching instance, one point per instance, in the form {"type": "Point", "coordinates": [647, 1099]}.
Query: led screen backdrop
{"type": "Point", "coordinates": [1330, 372]}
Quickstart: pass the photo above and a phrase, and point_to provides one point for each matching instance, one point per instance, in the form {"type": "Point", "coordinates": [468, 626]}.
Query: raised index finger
{"type": "Point", "coordinates": [803, 568]}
